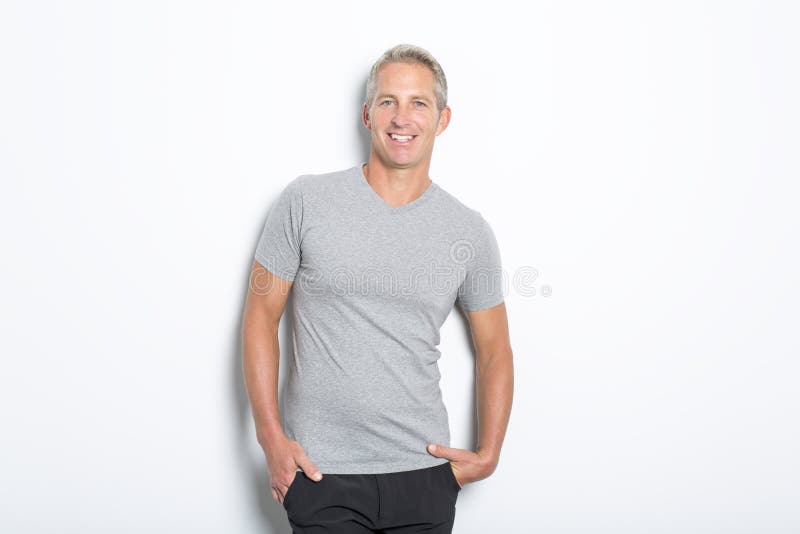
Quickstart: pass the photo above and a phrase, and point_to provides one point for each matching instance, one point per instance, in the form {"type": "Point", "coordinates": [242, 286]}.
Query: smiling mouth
{"type": "Point", "coordinates": [402, 139]}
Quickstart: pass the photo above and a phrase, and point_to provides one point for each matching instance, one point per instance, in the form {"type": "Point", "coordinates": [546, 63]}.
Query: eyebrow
{"type": "Point", "coordinates": [413, 97]}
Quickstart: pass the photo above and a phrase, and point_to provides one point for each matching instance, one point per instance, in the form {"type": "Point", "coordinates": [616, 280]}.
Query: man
{"type": "Point", "coordinates": [376, 256]}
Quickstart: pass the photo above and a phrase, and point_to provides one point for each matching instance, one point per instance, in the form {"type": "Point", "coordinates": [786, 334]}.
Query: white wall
{"type": "Point", "coordinates": [642, 157]}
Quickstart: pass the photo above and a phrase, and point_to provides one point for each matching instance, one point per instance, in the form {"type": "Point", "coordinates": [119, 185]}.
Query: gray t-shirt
{"type": "Point", "coordinates": [372, 287]}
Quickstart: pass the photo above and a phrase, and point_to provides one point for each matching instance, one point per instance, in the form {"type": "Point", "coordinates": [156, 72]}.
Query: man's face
{"type": "Point", "coordinates": [403, 119]}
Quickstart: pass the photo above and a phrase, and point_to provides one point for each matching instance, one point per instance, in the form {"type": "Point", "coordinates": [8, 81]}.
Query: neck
{"type": "Point", "coordinates": [382, 172]}
{"type": "Point", "coordinates": [396, 186]}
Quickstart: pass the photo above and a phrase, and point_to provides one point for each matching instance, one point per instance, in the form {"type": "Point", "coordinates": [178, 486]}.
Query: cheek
{"type": "Point", "coordinates": [378, 121]}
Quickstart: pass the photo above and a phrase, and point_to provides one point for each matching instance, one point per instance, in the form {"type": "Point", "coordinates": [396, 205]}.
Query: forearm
{"type": "Point", "coordinates": [495, 390]}
{"type": "Point", "coordinates": [260, 361]}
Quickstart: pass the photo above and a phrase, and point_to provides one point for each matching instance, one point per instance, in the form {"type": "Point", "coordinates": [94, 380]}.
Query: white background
{"type": "Point", "coordinates": [642, 157]}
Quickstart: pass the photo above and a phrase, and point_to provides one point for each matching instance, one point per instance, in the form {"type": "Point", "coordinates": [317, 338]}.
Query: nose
{"type": "Point", "coordinates": [402, 117]}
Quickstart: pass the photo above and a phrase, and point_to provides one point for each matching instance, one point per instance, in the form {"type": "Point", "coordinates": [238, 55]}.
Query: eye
{"type": "Point", "coordinates": [420, 103]}
{"type": "Point", "coordinates": [385, 102]}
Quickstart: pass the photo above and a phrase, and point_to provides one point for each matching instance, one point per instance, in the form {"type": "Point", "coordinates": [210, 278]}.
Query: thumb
{"type": "Point", "coordinates": [311, 470]}
{"type": "Point", "coordinates": [440, 451]}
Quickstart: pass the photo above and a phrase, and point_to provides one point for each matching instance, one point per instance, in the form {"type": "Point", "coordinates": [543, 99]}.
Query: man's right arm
{"type": "Point", "coordinates": [266, 300]}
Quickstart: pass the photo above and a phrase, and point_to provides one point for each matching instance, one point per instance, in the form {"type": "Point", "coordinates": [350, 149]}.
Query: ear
{"type": "Point", "coordinates": [444, 120]}
{"type": "Point", "coordinates": [365, 117]}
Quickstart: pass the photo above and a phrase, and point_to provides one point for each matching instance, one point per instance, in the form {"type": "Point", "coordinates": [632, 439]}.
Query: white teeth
{"type": "Point", "coordinates": [401, 137]}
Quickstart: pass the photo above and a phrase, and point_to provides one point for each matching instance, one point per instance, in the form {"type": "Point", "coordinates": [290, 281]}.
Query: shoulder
{"type": "Point", "coordinates": [460, 214]}
{"type": "Point", "coordinates": [322, 183]}
{"type": "Point", "coordinates": [307, 190]}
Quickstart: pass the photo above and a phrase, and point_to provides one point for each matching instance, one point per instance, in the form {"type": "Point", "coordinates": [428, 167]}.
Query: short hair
{"type": "Point", "coordinates": [406, 53]}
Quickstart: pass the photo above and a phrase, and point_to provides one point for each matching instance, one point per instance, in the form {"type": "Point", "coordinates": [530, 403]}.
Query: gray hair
{"type": "Point", "coordinates": [406, 53]}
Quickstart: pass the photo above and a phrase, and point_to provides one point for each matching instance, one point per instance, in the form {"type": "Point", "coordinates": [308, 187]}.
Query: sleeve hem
{"type": "Point", "coordinates": [271, 267]}
{"type": "Point", "coordinates": [482, 306]}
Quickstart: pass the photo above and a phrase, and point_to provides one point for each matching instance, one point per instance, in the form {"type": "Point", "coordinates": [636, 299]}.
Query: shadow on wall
{"type": "Point", "coordinates": [255, 472]}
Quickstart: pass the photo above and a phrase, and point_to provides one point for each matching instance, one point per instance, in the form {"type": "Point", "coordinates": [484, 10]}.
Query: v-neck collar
{"type": "Point", "coordinates": [381, 204]}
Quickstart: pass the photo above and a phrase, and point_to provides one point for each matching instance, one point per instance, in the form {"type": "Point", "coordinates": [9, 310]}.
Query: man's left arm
{"type": "Point", "coordinates": [494, 379]}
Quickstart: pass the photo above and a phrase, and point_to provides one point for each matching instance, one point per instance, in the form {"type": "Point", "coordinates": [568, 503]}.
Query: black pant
{"type": "Point", "coordinates": [421, 500]}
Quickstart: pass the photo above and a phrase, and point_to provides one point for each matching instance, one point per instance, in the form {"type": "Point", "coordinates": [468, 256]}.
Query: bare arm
{"type": "Point", "coordinates": [266, 301]}
{"type": "Point", "coordinates": [494, 380]}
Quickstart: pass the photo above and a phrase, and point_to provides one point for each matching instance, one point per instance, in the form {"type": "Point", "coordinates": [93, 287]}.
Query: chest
{"type": "Point", "coordinates": [411, 261]}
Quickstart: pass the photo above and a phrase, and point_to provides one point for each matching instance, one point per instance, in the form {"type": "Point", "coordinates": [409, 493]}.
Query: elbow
{"type": "Point", "coordinates": [501, 358]}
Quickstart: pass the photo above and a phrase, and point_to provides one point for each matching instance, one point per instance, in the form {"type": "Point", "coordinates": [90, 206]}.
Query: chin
{"type": "Point", "coordinates": [403, 163]}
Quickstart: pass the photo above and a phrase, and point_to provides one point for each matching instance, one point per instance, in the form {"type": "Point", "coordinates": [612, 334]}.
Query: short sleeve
{"type": "Point", "coordinates": [278, 247]}
{"type": "Point", "coordinates": [483, 284]}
